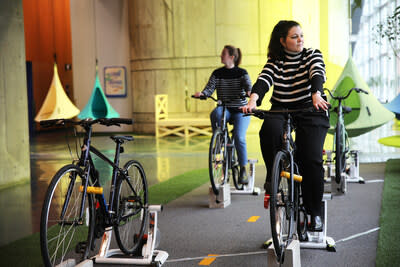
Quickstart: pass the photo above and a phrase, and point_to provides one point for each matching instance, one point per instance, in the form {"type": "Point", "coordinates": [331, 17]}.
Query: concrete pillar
{"type": "Point", "coordinates": [14, 136]}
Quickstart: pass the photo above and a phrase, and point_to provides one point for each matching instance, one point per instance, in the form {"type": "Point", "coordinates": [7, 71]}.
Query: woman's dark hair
{"type": "Point", "coordinates": [233, 51]}
{"type": "Point", "coordinates": [281, 29]}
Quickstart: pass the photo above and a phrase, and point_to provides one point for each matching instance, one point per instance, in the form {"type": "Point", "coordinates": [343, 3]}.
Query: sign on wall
{"type": "Point", "coordinates": [115, 81]}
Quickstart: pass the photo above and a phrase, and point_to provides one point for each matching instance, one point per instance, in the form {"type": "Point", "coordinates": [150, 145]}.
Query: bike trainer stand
{"type": "Point", "coordinates": [316, 240]}
{"type": "Point", "coordinates": [352, 175]}
{"type": "Point", "coordinates": [249, 189]}
{"type": "Point", "coordinates": [223, 199]}
{"type": "Point", "coordinates": [150, 256]}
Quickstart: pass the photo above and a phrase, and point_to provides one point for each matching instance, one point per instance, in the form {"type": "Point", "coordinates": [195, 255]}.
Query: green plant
{"type": "Point", "coordinates": [390, 29]}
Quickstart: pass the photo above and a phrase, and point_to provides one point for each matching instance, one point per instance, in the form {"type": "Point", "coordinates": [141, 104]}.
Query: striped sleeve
{"type": "Point", "coordinates": [246, 82]}
{"type": "Point", "coordinates": [210, 86]}
{"type": "Point", "coordinates": [264, 82]}
{"type": "Point", "coordinates": [317, 65]}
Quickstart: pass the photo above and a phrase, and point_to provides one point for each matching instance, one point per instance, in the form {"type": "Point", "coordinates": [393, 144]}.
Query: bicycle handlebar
{"type": "Point", "coordinates": [358, 90]}
{"type": "Point", "coordinates": [260, 113]}
{"type": "Point", "coordinates": [86, 122]}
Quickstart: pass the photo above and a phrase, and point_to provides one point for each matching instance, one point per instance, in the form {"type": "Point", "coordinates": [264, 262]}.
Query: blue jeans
{"type": "Point", "coordinates": [240, 123]}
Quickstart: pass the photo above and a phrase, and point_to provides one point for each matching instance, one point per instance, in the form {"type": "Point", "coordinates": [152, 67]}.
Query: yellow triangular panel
{"type": "Point", "coordinates": [57, 105]}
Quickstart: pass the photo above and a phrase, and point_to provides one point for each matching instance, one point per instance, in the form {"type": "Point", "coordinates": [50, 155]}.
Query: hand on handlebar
{"type": "Point", "coordinates": [319, 102]}
{"type": "Point", "coordinates": [251, 105]}
{"type": "Point", "coordinates": [197, 94]}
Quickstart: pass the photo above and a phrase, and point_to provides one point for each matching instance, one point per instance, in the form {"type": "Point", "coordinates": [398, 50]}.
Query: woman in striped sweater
{"type": "Point", "coordinates": [232, 84]}
{"type": "Point", "coordinates": [297, 75]}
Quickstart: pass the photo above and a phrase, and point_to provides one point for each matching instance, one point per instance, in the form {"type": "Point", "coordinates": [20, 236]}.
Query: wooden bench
{"type": "Point", "coordinates": [184, 127]}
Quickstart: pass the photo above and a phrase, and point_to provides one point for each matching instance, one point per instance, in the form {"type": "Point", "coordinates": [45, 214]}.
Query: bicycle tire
{"type": "Point", "coordinates": [234, 165]}
{"type": "Point", "coordinates": [131, 206]}
{"type": "Point", "coordinates": [301, 215]}
{"type": "Point", "coordinates": [217, 163]}
{"type": "Point", "coordinates": [60, 237]}
{"type": "Point", "coordinates": [340, 157]}
{"type": "Point", "coordinates": [281, 219]}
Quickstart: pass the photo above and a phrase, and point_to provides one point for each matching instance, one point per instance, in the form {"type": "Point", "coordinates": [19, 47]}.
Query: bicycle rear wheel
{"type": "Point", "coordinates": [340, 156]}
{"type": "Point", "coordinates": [131, 208]}
{"type": "Point", "coordinates": [217, 163]}
{"type": "Point", "coordinates": [281, 216]}
{"type": "Point", "coordinates": [63, 234]}
{"type": "Point", "coordinates": [235, 167]}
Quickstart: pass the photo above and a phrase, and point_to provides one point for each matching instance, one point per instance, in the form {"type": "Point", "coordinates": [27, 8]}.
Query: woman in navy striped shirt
{"type": "Point", "coordinates": [297, 75]}
{"type": "Point", "coordinates": [232, 83]}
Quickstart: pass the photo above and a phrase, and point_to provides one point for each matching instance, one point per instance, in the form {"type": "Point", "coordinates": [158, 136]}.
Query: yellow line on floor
{"type": "Point", "coordinates": [208, 260]}
{"type": "Point", "coordinates": [253, 218]}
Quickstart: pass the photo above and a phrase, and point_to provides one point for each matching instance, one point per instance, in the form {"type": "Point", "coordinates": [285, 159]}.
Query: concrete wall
{"type": "Point", "coordinates": [14, 139]}
{"type": "Point", "coordinates": [175, 45]}
{"type": "Point", "coordinates": [99, 29]}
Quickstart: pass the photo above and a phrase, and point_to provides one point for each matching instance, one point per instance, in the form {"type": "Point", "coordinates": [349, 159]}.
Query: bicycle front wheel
{"type": "Point", "coordinates": [281, 216]}
{"type": "Point", "coordinates": [131, 207]}
{"type": "Point", "coordinates": [64, 234]}
{"type": "Point", "coordinates": [217, 163]}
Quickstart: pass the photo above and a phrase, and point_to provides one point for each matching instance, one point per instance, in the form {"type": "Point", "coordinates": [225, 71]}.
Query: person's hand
{"type": "Point", "coordinates": [319, 102]}
{"type": "Point", "coordinates": [251, 105]}
{"type": "Point", "coordinates": [198, 94]}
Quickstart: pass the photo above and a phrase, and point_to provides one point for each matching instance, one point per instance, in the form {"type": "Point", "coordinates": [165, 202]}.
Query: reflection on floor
{"type": "Point", "coordinates": [161, 159]}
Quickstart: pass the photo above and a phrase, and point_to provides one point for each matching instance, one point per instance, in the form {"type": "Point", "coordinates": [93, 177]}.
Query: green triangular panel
{"type": "Point", "coordinates": [368, 113]}
{"type": "Point", "coordinates": [98, 106]}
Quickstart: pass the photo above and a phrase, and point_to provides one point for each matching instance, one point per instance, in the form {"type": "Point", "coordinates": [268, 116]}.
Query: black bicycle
{"type": "Point", "coordinates": [75, 211]}
{"type": "Point", "coordinates": [341, 140]}
{"type": "Point", "coordinates": [222, 157]}
{"type": "Point", "coordinates": [288, 217]}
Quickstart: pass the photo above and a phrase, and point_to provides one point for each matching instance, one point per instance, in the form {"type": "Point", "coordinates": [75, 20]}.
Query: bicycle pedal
{"type": "Point", "coordinates": [266, 201]}
{"type": "Point", "coordinates": [81, 247]}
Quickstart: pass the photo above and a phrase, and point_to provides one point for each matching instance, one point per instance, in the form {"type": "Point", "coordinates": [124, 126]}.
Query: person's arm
{"type": "Point", "coordinates": [264, 81]}
{"type": "Point", "coordinates": [246, 83]}
{"type": "Point", "coordinates": [210, 87]}
{"type": "Point", "coordinates": [318, 77]}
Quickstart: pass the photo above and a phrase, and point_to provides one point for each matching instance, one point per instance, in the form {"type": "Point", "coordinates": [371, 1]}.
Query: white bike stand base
{"type": "Point", "coordinates": [354, 169]}
{"type": "Point", "coordinates": [292, 255]}
{"type": "Point", "coordinates": [222, 200]}
{"type": "Point", "coordinates": [249, 189]}
{"type": "Point", "coordinates": [319, 240]}
{"type": "Point", "coordinates": [149, 256]}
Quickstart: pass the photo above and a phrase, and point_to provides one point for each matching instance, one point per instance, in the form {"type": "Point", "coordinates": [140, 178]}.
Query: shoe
{"type": "Point", "coordinates": [316, 224]}
{"type": "Point", "coordinates": [266, 201]}
{"type": "Point", "coordinates": [243, 176]}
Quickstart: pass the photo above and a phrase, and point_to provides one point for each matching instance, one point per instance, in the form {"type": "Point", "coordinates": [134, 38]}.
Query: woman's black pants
{"type": "Point", "coordinates": [311, 129]}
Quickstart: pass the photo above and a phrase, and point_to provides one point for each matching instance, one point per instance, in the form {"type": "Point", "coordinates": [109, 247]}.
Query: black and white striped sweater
{"type": "Point", "coordinates": [292, 79]}
{"type": "Point", "coordinates": [231, 84]}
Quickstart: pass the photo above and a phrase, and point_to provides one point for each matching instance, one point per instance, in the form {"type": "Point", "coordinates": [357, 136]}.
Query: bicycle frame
{"type": "Point", "coordinates": [86, 162]}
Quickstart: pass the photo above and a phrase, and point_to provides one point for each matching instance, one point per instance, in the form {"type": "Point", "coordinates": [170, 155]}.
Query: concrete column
{"type": "Point", "coordinates": [14, 136]}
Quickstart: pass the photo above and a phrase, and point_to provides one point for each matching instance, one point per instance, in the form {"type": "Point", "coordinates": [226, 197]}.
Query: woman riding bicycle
{"type": "Point", "coordinates": [232, 83]}
{"type": "Point", "coordinates": [297, 75]}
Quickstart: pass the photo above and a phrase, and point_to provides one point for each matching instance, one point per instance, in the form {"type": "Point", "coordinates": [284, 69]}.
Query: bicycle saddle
{"type": "Point", "coordinates": [121, 138]}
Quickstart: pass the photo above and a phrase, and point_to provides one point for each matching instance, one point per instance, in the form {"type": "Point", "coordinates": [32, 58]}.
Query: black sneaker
{"type": "Point", "coordinates": [243, 176]}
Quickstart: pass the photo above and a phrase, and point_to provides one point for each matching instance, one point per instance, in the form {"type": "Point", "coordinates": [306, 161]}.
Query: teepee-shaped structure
{"type": "Point", "coordinates": [98, 106]}
{"type": "Point", "coordinates": [56, 105]}
{"type": "Point", "coordinates": [367, 112]}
